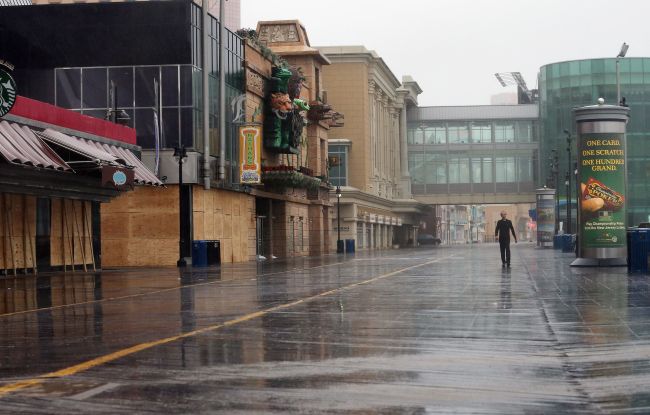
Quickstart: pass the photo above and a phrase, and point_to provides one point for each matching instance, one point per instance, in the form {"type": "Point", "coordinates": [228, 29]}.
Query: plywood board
{"type": "Point", "coordinates": [17, 231]}
{"type": "Point", "coordinates": [71, 233]}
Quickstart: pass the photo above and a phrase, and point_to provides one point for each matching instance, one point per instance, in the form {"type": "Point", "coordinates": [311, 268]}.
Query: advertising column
{"type": "Point", "coordinates": [545, 217]}
{"type": "Point", "coordinates": [602, 177]}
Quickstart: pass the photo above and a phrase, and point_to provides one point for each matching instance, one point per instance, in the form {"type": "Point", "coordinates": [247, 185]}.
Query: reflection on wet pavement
{"type": "Point", "coordinates": [411, 331]}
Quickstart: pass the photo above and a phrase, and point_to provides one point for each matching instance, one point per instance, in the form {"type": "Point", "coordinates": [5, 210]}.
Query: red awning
{"type": "Point", "coordinates": [19, 145]}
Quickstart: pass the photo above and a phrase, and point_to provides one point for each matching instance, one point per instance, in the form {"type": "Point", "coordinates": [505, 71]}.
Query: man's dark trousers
{"type": "Point", "coordinates": [504, 246]}
{"type": "Point", "coordinates": [503, 230]}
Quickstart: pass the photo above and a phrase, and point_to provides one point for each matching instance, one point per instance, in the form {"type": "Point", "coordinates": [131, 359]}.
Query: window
{"type": "Point", "coordinates": [435, 169]}
{"type": "Point", "coordinates": [459, 170]}
{"type": "Point", "coordinates": [416, 168]}
{"type": "Point", "coordinates": [487, 170]}
{"type": "Point", "coordinates": [94, 88]}
{"type": "Point", "coordinates": [482, 170]}
{"type": "Point", "coordinates": [418, 136]}
{"type": "Point", "coordinates": [505, 169]}
{"type": "Point", "coordinates": [123, 80]}
{"type": "Point", "coordinates": [525, 131]}
{"type": "Point", "coordinates": [410, 136]}
{"type": "Point", "coordinates": [68, 88]}
{"type": "Point", "coordinates": [435, 134]}
{"type": "Point", "coordinates": [504, 132]}
{"type": "Point", "coordinates": [457, 133]}
{"type": "Point", "coordinates": [144, 85]}
{"type": "Point", "coordinates": [525, 169]}
{"type": "Point", "coordinates": [338, 165]}
{"type": "Point", "coordinates": [481, 133]}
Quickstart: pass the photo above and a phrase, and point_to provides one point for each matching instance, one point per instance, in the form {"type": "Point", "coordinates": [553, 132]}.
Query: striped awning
{"type": "Point", "coordinates": [102, 154]}
{"type": "Point", "coordinates": [142, 174]}
{"type": "Point", "coordinates": [20, 145]}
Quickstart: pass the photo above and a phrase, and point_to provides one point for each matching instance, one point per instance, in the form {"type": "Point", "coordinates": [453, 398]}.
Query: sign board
{"type": "Point", "coordinates": [7, 92]}
{"type": "Point", "coordinates": [117, 177]}
{"type": "Point", "coordinates": [250, 154]}
{"type": "Point", "coordinates": [602, 190]}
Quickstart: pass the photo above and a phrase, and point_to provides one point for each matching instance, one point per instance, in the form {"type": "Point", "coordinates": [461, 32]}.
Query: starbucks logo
{"type": "Point", "coordinates": [7, 92]}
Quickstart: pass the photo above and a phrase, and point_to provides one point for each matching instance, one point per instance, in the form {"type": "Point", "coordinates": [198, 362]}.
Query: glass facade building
{"type": "Point", "coordinates": [566, 85]}
{"type": "Point", "coordinates": [472, 150]}
{"type": "Point", "coordinates": [73, 65]}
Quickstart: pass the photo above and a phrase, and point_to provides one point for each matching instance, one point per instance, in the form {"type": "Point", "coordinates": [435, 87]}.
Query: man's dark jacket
{"type": "Point", "coordinates": [503, 229]}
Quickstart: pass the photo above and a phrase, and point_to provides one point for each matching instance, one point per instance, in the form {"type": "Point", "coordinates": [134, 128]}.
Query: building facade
{"type": "Point", "coordinates": [156, 89]}
{"type": "Point", "coordinates": [566, 85]}
{"type": "Point", "coordinates": [368, 156]}
{"type": "Point", "coordinates": [292, 203]}
{"type": "Point", "coordinates": [57, 168]}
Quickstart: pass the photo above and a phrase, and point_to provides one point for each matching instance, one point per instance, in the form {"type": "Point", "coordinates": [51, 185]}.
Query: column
{"type": "Point", "coordinates": [365, 239]}
{"type": "Point", "coordinates": [405, 175]}
{"type": "Point", "coordinates": [395, 152]}
{"type": "Point", "coordinates": [372, 103]}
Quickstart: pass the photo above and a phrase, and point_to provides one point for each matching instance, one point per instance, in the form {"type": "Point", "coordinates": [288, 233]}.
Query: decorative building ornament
{"type": "Point", "coordinates": [284, 121]}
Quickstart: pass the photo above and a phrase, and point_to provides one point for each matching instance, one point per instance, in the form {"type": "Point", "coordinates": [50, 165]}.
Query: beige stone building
{"type": "Point", "coordinates": [368, 156]}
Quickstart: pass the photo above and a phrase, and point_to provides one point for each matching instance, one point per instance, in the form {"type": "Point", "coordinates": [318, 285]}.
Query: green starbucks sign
{"type": "Point", "coordinates": [7, 92]}
{"type": "Point", "coordinates": [602, 190]}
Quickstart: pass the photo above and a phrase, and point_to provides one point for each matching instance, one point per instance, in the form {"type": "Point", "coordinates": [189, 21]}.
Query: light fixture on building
{"type": "Point", "coordinates": [339, 242]}
{"type": "Point", "coordinates": [568, 181]}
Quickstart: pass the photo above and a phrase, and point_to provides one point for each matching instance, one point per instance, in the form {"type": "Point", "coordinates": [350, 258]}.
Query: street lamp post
{"type": "Point", "coordinates": [568, 179]}
{"type": "Point", "coordinates": [180, 153]}
{"type": "Point", "coordinates": [567, 183]}
{"type": "Point", "coordinates": [555, 174]}
{"type": "Point", "coordinates": [620, 55]}
{"type": "Point", "coordinates": [339, 242]}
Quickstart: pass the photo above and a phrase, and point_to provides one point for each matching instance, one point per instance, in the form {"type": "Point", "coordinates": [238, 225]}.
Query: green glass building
{"type": "Point", "coordinates": [566, 85]}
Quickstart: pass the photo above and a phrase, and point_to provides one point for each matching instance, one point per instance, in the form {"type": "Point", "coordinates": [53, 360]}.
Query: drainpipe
{"type": "Point", "coordinates": [205, 94]}
{"type": "Point", "coordinates": [222, 91]}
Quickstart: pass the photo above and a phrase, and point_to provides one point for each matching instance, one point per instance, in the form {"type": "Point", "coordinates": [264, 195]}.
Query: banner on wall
{"type": "Point", "coordinates": [602, 190]}
{"type": "Point", "coordinates": [250, 154]}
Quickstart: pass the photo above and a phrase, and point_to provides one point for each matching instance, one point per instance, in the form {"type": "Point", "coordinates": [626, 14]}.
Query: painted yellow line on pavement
{"type": "Point", "coordinates": [12, 387]}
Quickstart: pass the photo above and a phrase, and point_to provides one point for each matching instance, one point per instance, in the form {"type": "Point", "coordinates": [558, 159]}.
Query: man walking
{"type": "Point", "coordinates": [502, 231]}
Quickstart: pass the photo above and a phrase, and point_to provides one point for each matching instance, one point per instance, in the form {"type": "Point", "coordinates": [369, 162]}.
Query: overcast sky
{"type": "Point", "coordinates": [452, 48]}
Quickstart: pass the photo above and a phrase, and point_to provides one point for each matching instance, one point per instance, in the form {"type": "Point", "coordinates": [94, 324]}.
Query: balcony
{"type": "Point", "coordinates": [282, 177]}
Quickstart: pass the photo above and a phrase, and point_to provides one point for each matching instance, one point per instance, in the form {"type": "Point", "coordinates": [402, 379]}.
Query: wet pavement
{"type": "Point", "coordinates": [420, 331]}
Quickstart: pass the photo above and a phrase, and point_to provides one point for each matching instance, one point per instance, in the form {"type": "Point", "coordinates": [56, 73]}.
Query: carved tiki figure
{"type": "Point", "coordinates": [283, 123]}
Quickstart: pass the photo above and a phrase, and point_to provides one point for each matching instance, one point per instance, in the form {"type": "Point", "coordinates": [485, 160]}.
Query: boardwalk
{"type": "Point", "coordinates": [411, 331]}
